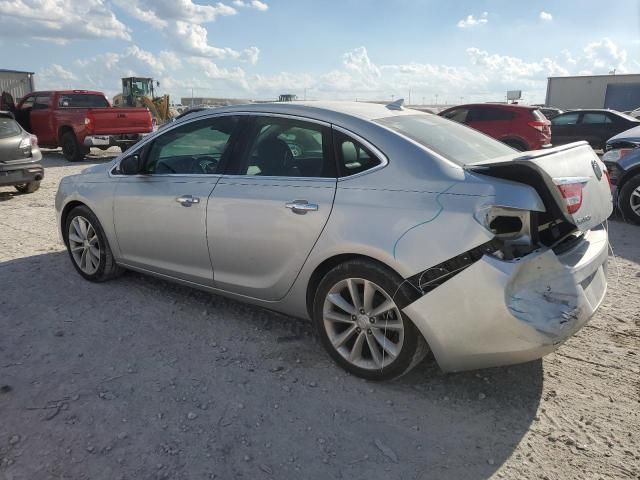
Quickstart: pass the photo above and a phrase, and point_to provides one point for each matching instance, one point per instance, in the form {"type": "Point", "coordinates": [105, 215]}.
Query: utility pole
{"type": "Point", "coordinates": [409, 97]}
{"type": "Point", "coordinates": [436, 99]}
{"type": "Point", "coordinates": [192, 96]}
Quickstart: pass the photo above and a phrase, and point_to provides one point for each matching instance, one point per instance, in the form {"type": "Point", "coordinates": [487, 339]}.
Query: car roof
{"type": "Point", "coordinates": [506, 106]}
{"type": "Point", "coordinates": [330, 112]}
{"type": "Point", "coordinates": [64, 92]}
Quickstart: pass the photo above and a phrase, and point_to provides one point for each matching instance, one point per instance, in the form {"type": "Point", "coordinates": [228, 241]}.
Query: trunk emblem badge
{"type": "Point", "coordinates": [596, 169]}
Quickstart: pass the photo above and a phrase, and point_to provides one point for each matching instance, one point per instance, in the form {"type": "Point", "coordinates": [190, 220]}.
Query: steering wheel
{"type": "Point", "coordinates": [208, 164]}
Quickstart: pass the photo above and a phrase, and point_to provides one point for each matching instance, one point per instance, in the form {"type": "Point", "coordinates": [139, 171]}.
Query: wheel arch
{"type": "Point", "coordinates": [328, 264]}
{"type": "Point", "coordinates": [62, 130]}
{"type": "Point", "coordinates": [628, 175]}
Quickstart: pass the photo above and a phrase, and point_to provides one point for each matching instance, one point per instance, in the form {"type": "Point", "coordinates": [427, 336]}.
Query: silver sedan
{"type": "Point", "coordinates": [398, 233]}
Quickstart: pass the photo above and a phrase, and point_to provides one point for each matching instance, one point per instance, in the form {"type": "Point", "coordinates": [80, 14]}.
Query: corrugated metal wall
{"type": "Point", "coordinates": [584, 92]}
{"type": "Point", "coordinates": [18, 84]}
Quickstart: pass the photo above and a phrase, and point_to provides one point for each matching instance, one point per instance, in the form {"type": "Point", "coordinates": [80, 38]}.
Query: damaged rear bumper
{"type": "Point", "coordinates": [498, 312]}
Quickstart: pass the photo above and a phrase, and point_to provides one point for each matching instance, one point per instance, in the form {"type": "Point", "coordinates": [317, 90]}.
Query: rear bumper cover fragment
{"type": "Point", "coordinates": [498, 312]}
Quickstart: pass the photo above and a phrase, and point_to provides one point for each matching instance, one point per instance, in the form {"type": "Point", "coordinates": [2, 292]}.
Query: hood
{"type": "Point", "coordinates": [631, 135]}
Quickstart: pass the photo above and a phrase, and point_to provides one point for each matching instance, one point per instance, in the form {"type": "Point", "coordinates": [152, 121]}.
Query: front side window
{"type": "Point", "coordinates": [288, 148]}
{"type": "Point", "coordinates": [457, 143]}
{"type": "Point", "coordinates": [566, 119]}
{"type": "Point", "coordinates": [28, 102]}
{"type": "Point", "coordinates": [595, 118]}
{"type": "Point", "coordinates": [352, 156]}
{"type": "Point", "coordinates": [196, 148]}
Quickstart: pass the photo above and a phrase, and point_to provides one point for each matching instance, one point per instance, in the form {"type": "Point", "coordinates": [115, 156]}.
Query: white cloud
{"type": "Point", "coordinates": [161, 12]}
{"type": "Point", "coordinates": [481, 75]}
{"type": "Point", "coordinates": [60, 20]}
{"type": "Point", "coordinates": [472, 21]}
{"type": "Point", "coordinates": [545, 16]}
{"type": "Point", "coordinates": [257, 4]}
{"type": "Point", "coordinates": [192, 39]}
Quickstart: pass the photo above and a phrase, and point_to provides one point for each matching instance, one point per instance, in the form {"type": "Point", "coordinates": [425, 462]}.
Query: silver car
{"type": "Point", "coordinates": [396, 232]}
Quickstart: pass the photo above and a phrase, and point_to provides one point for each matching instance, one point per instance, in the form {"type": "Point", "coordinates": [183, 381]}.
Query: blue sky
{"type": "Point", "coordinates": [347, 49]}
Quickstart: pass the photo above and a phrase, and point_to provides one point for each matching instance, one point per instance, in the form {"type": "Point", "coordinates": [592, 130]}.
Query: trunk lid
{"type": "Point", "coordinates": [115, 121]}
{"type": "Point", "coordinates": [565, 177]}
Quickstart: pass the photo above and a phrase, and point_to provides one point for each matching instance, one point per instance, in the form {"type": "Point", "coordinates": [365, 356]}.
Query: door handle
{"type": "Point", "coordinates": [187, 200]}
{"type": "Point", "coordinates": [301, 206]}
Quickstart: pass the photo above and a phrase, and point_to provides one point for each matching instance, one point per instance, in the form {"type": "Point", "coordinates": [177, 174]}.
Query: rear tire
{"type": "Point", "coordinates": [350, 336]}
{"type": "Point", "coordinates": [71, 149]}
{"type": "Point", "coordinates": [28, 187]}
{"type": "Point", "coordinates": [88, 246]}
{"type": "Point", "coordinates": [629, 200]}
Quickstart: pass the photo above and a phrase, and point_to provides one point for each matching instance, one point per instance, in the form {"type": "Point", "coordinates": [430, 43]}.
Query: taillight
{"type": "Point", "coordinates": [89, 123]}
{"type": "Point", "coordinates": [34, 141]}
{"type": "Point", "coordinates": [572, 195]}
{"type": "Point", "coordinates": [540, 125]}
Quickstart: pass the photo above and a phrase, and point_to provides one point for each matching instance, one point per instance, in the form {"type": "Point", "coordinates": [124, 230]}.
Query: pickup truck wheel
{"type": "Point", "coordinates": [28, 187]}
{"type": "Point", "coordinates": [71, 149]}
{"type": "Point", "coordinates": [629, 200]}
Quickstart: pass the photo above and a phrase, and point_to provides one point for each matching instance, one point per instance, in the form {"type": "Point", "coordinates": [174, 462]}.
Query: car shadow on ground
{"type": "Point", "coordinates": [141, 368]}
{"type": "Point", "coordinates": [623, 238]}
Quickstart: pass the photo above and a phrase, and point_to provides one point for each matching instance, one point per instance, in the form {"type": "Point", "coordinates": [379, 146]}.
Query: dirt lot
{"type": "Point", "coordinates": [142, 379]}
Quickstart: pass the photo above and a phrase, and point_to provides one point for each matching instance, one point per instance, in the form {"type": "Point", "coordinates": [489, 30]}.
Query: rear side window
{"type": "Point", "coordinates": [352, 156]}
{"type": "Point", "coordinates": [489, 115]}
{"type": "Point", "coordinates": [566, 119]}
{"type": "Point", "coordinates": [82, 100]}
{"type": "Point", "coordinates": [455, 142]}
{"type": "Point", "coordinates": [8, 127]}
{"type": "Point", "coordinates": [595, 118]}
{"type": "Point", "coordinates": [288, 148]}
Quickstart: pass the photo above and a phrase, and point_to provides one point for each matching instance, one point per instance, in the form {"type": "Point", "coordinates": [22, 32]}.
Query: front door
{"type": "Point", "coordinates": [42, 120]}
{"type": "Point", "coordinates": [160, 215]}
{"type": "Point", "coordinates": [266, 213]}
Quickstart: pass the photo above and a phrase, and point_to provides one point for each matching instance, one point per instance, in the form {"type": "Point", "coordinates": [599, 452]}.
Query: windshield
{"type": "Point", "coordinates": [455, 142]}
{"type": "Point", "coordinates": [8, 127]}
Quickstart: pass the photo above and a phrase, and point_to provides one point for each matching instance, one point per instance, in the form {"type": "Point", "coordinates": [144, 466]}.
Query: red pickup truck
{"type": "Point", "coordinates": [77, 120]}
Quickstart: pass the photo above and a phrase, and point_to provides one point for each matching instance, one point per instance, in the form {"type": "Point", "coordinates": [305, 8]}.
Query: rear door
{"type": "Point", "coordinates": [268, 210]}
{"type": "Point", "coordinates": [597, 128]}
{"type": "Point", "coordinates": [495, 122]}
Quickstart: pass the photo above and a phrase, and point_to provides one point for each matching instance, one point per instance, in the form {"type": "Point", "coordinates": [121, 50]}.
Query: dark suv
{"type": "Point", "coordinates": [522, 127]}
{"type": "Point", "coordinates": [622, 159]}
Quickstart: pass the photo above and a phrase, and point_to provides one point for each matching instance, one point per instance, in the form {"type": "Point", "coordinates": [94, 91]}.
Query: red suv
{"type": "Point", "coordinates": [519, 126]}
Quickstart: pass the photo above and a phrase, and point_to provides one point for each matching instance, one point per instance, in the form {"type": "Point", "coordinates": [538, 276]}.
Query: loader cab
{"type": "Point", "coordinates": [134, 88]}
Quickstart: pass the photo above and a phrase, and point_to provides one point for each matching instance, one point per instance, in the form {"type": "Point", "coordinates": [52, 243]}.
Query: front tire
{"type": "Point", "coordinates": [88, 246]}
{"type": "Point", "coordinates": [629, 200]}
{"type": "Point", "coordinates": [357, 312]}
{"type": "Point", "coordinates": [28, 187]}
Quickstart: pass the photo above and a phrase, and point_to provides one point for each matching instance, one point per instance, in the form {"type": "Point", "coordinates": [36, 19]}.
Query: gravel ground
{"type": "Point", "coordinates": [142, 379]}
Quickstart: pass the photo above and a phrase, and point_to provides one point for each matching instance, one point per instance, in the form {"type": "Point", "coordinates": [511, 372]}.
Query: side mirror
{"type": "Point", "coordinates": [131, 165]}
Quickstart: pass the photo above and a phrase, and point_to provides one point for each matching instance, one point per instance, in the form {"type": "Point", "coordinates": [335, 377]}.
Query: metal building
{"type": "Point", "coordinates": [617, 92]}
{"type": "Point", "coordinates": [17, 83]}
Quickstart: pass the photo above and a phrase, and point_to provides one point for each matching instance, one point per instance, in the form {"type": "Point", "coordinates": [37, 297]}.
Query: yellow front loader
{"type": "Point", "coordinates": [139, 92]}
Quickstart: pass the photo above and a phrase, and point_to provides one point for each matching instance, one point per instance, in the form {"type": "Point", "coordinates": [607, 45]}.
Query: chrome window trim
{"type": "Point", "coordinates": [151, 137]}
{"type": "Point", "coordinates": [384, 161]}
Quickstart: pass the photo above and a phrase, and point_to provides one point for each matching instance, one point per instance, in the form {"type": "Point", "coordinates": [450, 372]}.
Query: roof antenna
{"type": "Point", "coordinates": [397, 105]}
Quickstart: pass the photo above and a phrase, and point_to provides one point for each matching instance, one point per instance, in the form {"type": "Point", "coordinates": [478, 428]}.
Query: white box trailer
{"type": "Point", "coordinates": [617, 92]}
{"type": "Point", "coordinates": [17, 83]}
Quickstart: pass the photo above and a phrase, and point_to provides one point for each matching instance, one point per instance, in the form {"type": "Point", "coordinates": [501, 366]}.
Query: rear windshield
{"type": "Point", "coordinates": [455, 142]}
{"type": "Point", "coordinates": [8, 127]}
{"type": "Point", "coordinates": [82, 100]}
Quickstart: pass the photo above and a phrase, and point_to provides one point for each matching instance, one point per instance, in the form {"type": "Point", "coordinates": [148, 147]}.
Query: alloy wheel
{"type": "Point", "coordinates": [634, 201]}
{"type": "Point", "coordinates": [363, 323]}
{"type": "Point", "coordinates": [84, 245]}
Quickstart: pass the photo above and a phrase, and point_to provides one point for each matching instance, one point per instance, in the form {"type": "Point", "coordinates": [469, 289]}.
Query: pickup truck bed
{"type": "Point", "coordinates": [79, 119]}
